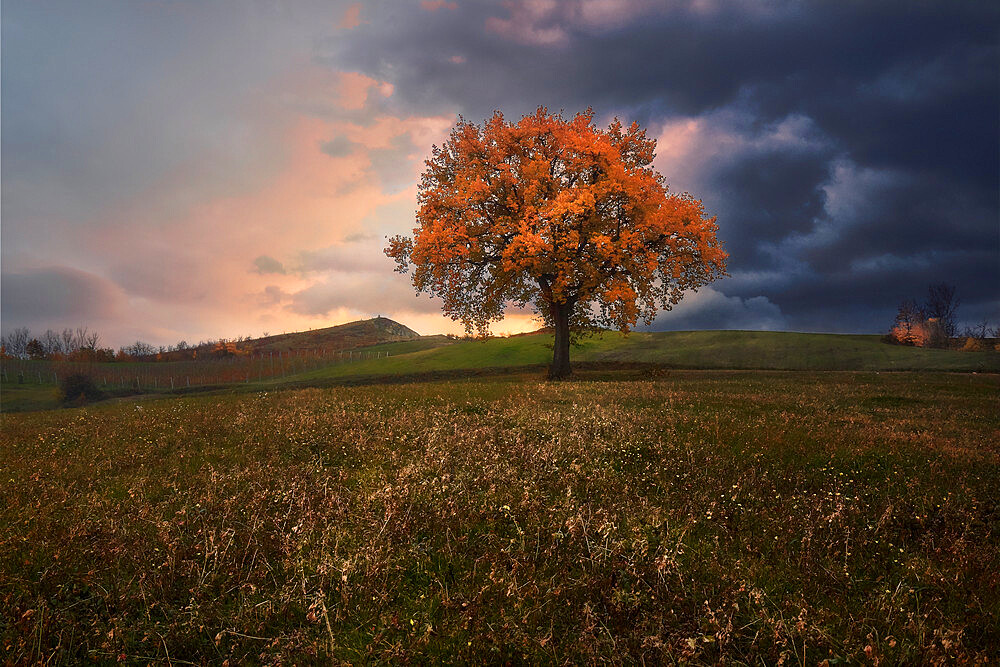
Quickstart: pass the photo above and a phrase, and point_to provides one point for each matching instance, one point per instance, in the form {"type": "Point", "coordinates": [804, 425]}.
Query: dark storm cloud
{"type": "Point", "coordinates": [674, 61]}
{"type": "Point", "coordinates": [709, 309]}
{"type": "Point", "coordinates": [765, 198]}
{"type": "Point", "coordinates": [834, 300]}
{"type": "Point", "coordinates": [900, 99]}
{"type": "Point", "coordinates": [61, 294]}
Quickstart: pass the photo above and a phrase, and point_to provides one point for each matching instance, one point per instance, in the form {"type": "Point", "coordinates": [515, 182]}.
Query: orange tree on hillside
{"type": "Point", "coordinates": [559, 214]}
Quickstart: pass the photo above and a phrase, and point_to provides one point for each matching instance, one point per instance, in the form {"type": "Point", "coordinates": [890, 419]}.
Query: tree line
{"type": "Point", "coordinates": [78, 344]}
{"type": "Point", "coordinates": [934, 323]}
{"type": "Point", "coordinates": [82, 345]}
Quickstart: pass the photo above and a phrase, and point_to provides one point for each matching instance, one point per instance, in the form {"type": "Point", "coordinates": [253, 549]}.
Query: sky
{"type": "Point", "coordinates": [178, 170]}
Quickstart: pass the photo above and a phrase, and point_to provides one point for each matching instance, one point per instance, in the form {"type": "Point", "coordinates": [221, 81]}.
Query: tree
{"type": "Point", "coordinates": [35, 350]}
{"type": "Point", "coordinates": [982, 331]}
{"type": "Point", "coordinates": [16, 341]}
{"type": "Point", "coordinates": [52, 344]}
{"type": "Point", "coordinates": [906, 327]}
{"type": "Point", "coordinates": [137, 350]}
{"type": "Point", "coordinates": [68, 342]}
{"type": "Point", "coordinates": [559, 214]}
{"type": "Point", "coordinates": [942, 305]}
{"type": "Point", "coordinates": [85, 340]}
{"type": "Point", "coordinates": [913, 327]}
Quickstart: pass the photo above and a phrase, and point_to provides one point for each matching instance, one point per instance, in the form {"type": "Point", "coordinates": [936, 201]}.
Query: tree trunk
{"type": "Point", "coordinates": [560, 367]}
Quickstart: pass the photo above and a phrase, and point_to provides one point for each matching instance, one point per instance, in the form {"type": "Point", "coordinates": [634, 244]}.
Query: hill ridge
{"type": "Point", "coordinates": [349, 335]}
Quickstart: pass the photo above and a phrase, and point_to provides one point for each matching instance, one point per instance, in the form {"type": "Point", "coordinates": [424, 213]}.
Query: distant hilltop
{"type": "Point", "coordinates": [341, 337]}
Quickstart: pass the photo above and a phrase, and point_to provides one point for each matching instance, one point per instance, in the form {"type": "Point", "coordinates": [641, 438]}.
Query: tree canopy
{"type": "Point", "coordinates": [557, 214]}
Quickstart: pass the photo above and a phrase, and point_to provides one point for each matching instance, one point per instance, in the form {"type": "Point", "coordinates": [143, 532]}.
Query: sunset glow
{"type": "Point", "coordinates": [236, 177]}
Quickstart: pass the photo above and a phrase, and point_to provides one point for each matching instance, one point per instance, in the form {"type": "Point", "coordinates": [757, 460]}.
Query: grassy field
{"type": "Point", "coordinates": [729, 350]}
{"type": "Point", "coordinates": [756, 516]}
{"type": "Point", "coordinates": [439, 356]}
{"type": "Point", "coordinates": [22, 397]}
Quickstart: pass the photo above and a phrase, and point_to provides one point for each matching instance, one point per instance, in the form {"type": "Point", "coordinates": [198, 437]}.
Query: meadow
{"type": "Point", "coordinates": [33, 385]}
{"type": "Point", "coordinates": [629, 516]}
{"type": "Point", "coordinates": [721, 350]}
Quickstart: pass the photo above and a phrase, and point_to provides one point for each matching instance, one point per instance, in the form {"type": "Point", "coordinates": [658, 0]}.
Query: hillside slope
{"type": "Point", "coordinates": [722, 350]}
{"type": "Point", "coordinates": [341, 337]}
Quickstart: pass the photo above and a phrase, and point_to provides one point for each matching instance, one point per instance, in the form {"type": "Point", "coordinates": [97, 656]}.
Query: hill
{"type": "Point", "coordinates": [348, 336]}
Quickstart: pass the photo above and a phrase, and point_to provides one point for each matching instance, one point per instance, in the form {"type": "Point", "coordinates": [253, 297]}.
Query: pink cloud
{"type": "Point", "coordinates": [351, 17]}
{"type": "Point", "coordinates": [355, 88]}
{"type": "Point", "coordinates": [193, 271]}
{"type": "Point", "coordinates": [434, 5]}
{"type": "Point", "coordinates": [317, 91]}
{"type": "Point", "coordinates": [421, 130]}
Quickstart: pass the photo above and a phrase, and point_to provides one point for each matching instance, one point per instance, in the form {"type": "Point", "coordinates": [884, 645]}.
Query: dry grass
{"type": "Point", "coordinates": [757, 517]}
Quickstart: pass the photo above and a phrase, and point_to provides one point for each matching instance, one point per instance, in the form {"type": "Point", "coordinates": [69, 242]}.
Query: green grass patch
{"type": "Point", "coordinates": [723, 350]}
{"type": "Point", "coordinates": [431, 357]}
{"type": "Point", "coordinates": [16, 397]}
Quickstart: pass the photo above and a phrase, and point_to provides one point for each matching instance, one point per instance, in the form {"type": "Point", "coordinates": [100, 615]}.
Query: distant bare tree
{"type": "Point", "coordinates": [68, 340]}
{"type": "Point", "coordinates": [982, 331]}
{"type": "Point", "coordinates": [137, 350]}
{"type": "Point", "coordinates": [85, 339]}
{"type": "Point", "coordinates": [65, 343]}
{"type": "Point", "coordinates": [51, 343]}
{"type": "Point", "coordinates": [16, 341]}
{"type": "Point", "coordinates": [942, 304]}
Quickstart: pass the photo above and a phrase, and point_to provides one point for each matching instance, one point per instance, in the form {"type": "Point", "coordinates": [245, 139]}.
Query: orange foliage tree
{"type": "Point", "coordinates": [557, 214]}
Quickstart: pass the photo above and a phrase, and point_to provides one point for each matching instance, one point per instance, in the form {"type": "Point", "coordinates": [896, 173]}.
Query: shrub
{"type": "Point", "coordinates": [78, 389]}
{"type": "Point", "coordinates": [972, 345]}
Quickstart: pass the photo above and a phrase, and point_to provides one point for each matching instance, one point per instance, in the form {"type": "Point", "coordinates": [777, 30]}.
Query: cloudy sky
{"type": "Point", "coordinates": [186, 170]}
